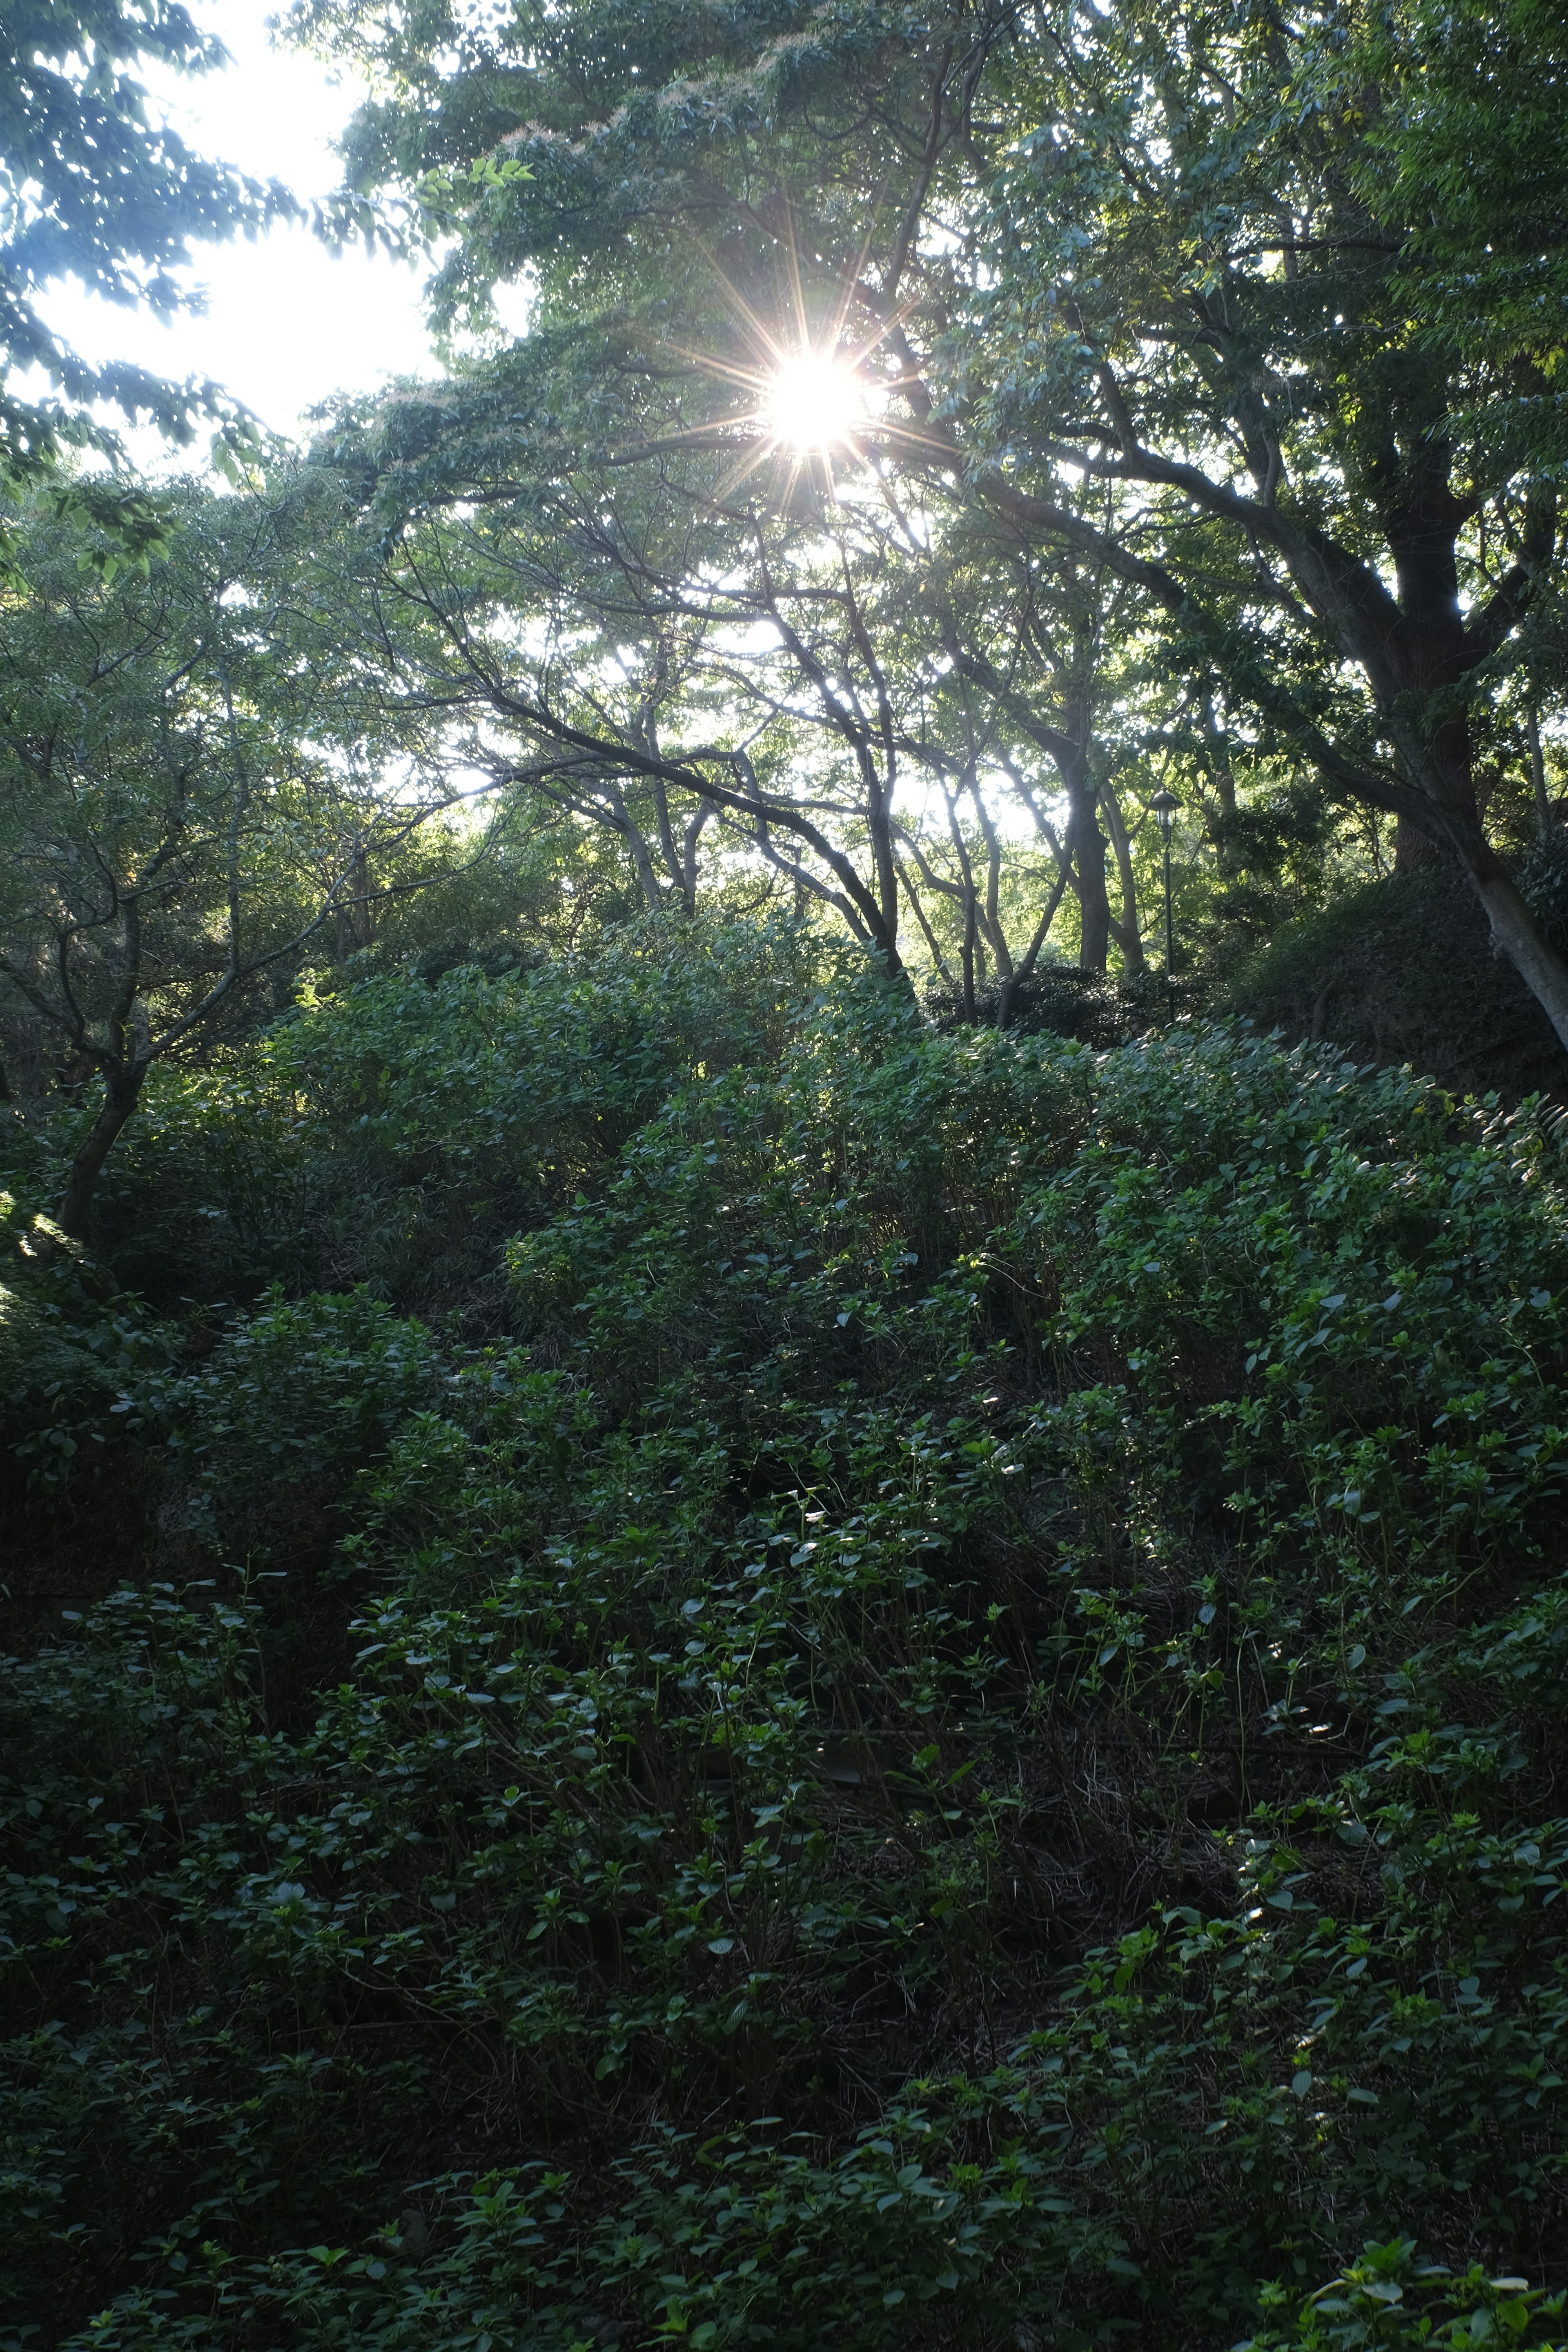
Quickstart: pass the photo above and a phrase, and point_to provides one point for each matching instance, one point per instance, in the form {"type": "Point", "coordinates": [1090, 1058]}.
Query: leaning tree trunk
{"type": "Point", "coordinates": [1519, 935]}
{"type": "Point", "coordinates": [1456, 838]}
{"type": "Point", "coordinates": [121, 1093]}
{"type": "Point", "coordinates": [1431, 655]}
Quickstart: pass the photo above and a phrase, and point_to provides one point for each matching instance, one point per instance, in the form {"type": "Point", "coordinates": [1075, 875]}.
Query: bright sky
{"type": "Point", "coordinates": [287, 321]}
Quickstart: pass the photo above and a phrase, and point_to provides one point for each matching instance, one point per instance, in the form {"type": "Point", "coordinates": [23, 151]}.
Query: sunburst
{"type": "Point", "coordinates": [806, 405]}
{"type": "Point", "coordinates": [808, 400]}
{"type": "Point", "coordinates": [816, 402]}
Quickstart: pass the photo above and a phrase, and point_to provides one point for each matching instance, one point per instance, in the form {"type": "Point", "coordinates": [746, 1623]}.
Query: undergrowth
{"type": "Point", "coordinates": [839, 1686]}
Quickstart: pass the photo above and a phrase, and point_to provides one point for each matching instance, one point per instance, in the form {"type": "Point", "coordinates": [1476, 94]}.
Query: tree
{"type": "Point", "coordinates": [1215, 296]}
{"type": "Point", "coordinates": [833, 681]}
{"type": "Point", "coordinates": [1168, 253]}
{"type": "Point", "coordinates": [198, 770]}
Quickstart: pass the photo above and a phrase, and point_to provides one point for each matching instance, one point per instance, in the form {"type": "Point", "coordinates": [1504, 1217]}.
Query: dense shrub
{"type": "Point", "coordinates": [443, 1112]}
{"type": "Point", "coordinates": [943, 1733]}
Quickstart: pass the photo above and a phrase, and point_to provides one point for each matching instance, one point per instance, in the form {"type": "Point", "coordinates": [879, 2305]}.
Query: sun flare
{"type": "Point", "coordinates": [815, 402]}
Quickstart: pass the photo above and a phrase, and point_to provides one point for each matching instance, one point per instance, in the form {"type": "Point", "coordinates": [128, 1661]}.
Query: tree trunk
{"type": "Point", "coordinates": [1415, 850]}
{"type": "Point", "coordinates": [1519, 936]}
{"type": "Point", "coordinates": [880, 825]}
{"type": "Point", "coordinates": [1460, 842]}
{"type": "Point", "coordinates": [1538, 772]}
{"type": "Point", "coordinates": [361, 918]}
{"type": "Point", "coordinates": [1086, 848]}
{"type": "Point", "coordinates": [1457, 837]}
{"type": "Point", "coordinates": [353, 915]}
{"type": "Point", "coordinates": [121, 1093]}
{"type": "Point", "coordinates": [632, 833]}
{"type": "Point", "coordinates": [1128, 932]}
{"type": "Point", "coordinates": [694, 825]}
{"type": "Point", "coordinates": [1429, 653]}
{"type": "Point", "coordinates": [1449, 755]}
{"type": "Point", "coordinates": [1219, 763]}
{"type": "Point", "coordinates": [672, 859]}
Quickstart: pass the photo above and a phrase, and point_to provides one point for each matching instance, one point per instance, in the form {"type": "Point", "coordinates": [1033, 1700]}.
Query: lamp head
{"type": "Point", "coordinates": [1164, 806]}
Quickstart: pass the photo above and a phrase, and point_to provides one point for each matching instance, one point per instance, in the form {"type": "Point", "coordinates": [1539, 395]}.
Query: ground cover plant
{"type": "Point", "coordinates": [776, 1677]}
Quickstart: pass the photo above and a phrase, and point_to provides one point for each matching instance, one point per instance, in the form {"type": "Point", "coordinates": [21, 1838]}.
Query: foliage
{"type": "Point", "coordinates": [465, 1104]}
{"type": "Point", "coordinates": [291, 1391]}
{"type": "Point", "coordinates": [199, 771]}
{"type": "Point", "coordinates": [69, 1342]}
{"type": "Point", "coordinates": [1387, 2298]}
{"type": "Point", "coordinates": [1478, 166]}
{"type": "Point", "coordinates": [940, 1729]}
{"type": "Point", "coordinates": [1160, 315]}
{"type": "Point", "coordinates": [92, 187]}
{"type": "Point", "coordinates": [748, 1659]}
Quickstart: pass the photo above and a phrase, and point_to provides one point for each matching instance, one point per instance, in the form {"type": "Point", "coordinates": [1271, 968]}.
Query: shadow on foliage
{"type": "Point", "coordinates": [1094, 1008]}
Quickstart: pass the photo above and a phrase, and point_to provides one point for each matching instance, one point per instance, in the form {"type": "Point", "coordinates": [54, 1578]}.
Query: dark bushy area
{"type": "Point", "coordinates": [1405, 970]}
{"type": "Point", "coordinates": [742, 1672]}
{"type": "Point", "coordinates": [1061, 999]}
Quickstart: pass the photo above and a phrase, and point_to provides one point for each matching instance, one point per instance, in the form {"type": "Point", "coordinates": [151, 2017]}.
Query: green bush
{"type": "Point", "coordinates": [945, 1733]}
{"type": "Point", "coordinates": [1387, 2298]}
{"type": "Point", "coordinates": [444, 1113]}
{"type": "Point", "coordinates": [292, 1402]}
{"type": "Point", "coordinates": [68, 1343]}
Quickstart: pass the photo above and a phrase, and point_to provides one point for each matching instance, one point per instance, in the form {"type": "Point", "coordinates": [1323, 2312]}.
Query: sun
{"type": "Point", "coordinates": [814, 402]}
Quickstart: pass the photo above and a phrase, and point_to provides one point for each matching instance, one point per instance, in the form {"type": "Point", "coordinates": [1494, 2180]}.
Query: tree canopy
{"type": "Point", "coordinates": [197, 769]}
{"type": "Point", "coordinates": [94, 187]}
{"type": "Point", "coordinates": [1169, 295]}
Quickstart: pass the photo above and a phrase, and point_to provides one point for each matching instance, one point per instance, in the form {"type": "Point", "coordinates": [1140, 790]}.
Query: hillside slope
{"type": "Point", "coordinates": [805, 1684]}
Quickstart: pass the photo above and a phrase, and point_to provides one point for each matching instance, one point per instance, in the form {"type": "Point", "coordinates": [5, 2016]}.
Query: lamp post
{"type": "Point", "coordinates": [1164, 806]}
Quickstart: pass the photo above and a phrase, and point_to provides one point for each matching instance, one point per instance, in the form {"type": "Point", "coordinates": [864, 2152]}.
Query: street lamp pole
{"type": "Point", "coordinates": [1164, 806]}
